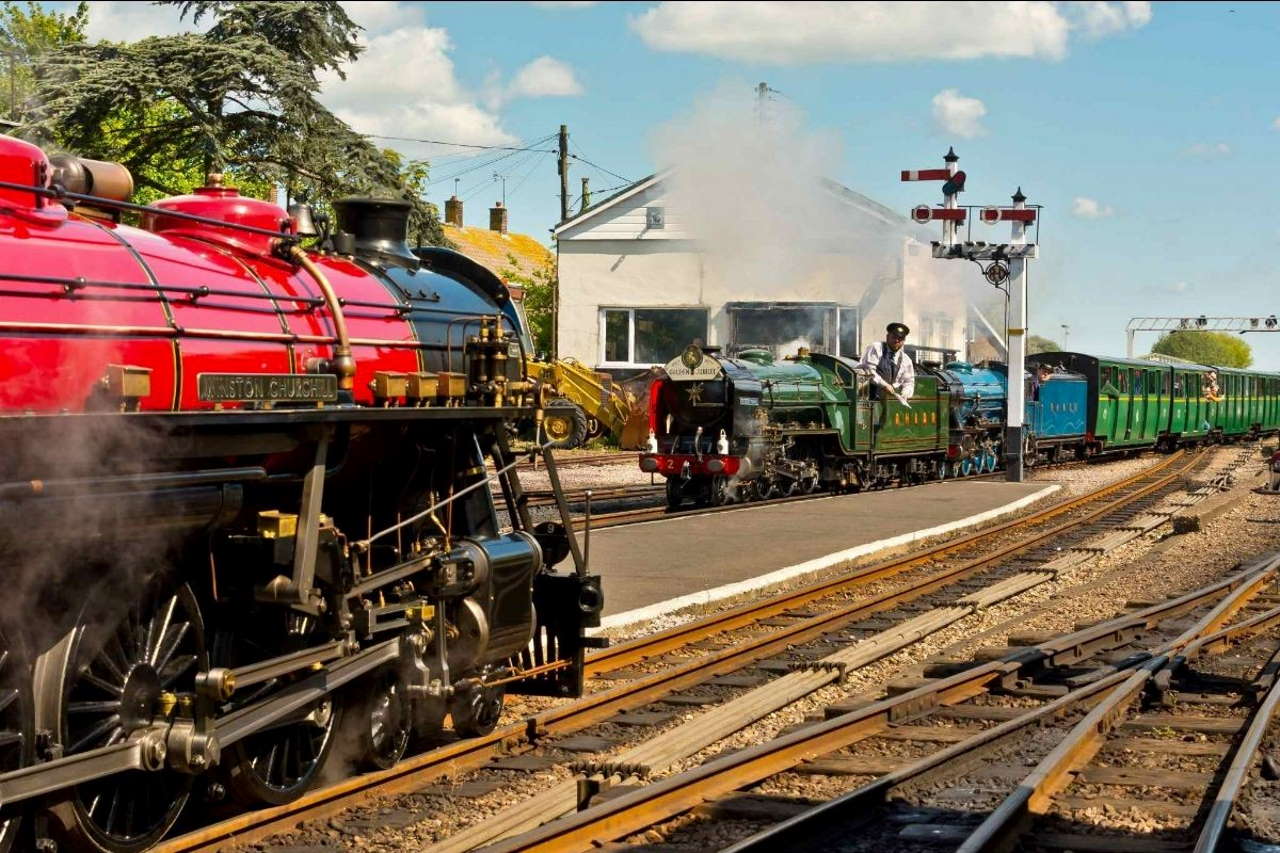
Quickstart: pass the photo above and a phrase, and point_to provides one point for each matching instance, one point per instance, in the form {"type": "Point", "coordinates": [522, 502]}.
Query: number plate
{"type": "Point", "coordinates": [267, 387]}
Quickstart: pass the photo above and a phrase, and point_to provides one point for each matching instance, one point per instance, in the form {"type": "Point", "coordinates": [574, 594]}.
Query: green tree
{"type": "Point", "coordinates": [1037, 344]}
{"type": "Point", "coordinates": [539, 298]}
{"type": "Point", "coordinates": [27, 32]}
{"type": "Point", "coordinates": [1216, 348]}
{"type": "Point", "coordinates": [239, 98]}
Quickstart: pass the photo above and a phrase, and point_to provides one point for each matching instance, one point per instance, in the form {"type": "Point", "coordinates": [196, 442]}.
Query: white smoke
{"type": "Point", "coordinates": [751, 184]}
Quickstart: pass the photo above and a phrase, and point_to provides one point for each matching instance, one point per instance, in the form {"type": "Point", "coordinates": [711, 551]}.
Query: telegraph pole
{"type": "Point", "coordinates": [586, 194]}
{"type": "Point", "coordinates": [563, 166]}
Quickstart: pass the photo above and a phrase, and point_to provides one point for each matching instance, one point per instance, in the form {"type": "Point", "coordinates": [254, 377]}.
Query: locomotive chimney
{"type": "Point", "coordinates": [380, 227]}
{"type": "Point", "coordinates": [453, 211]}
{"type": "Point", "coordinates": [498, 218]}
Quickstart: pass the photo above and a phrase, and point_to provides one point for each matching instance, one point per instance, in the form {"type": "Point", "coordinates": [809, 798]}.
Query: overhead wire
{"type": "Point", "coordinates": [533, 168]}
{"type": "Point", "coordinates": [474, 189]}
{"type": "Point", "coordinates": [468, 144]}
{"type": "Point", "coordinates": [489, 162]}
{"type": "Point", "coordinates": [579, 156]}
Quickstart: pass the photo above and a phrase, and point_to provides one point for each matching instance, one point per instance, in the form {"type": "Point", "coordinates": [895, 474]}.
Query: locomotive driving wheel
{"type": "Point", "coordinates": [277, 764]}
{"type": "Point", "coordinates": [16, 729]}
{"type": "Point", "coordinates": [118, 680]}
{"type": "Point", "coordinates": [675, 493]}
{"type": "Point", "coordinates": [476, 709]}
{"type": "Point", "coordinates": [378, 721]}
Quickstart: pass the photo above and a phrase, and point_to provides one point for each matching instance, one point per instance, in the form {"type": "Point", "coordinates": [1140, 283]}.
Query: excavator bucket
{"type": "Point", "coordinates": [635, 431]}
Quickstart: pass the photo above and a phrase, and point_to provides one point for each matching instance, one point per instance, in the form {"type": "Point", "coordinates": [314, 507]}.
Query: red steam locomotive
{"type": "Point", "coordinates": [245, 511]}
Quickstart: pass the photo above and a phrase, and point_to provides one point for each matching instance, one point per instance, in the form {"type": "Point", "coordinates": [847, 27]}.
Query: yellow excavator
{"type": "Point", "coordinates": [586, 404]}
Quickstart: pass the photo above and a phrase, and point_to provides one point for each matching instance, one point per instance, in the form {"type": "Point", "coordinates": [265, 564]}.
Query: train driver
{"type": "Point", "coordinates": [890, 366]}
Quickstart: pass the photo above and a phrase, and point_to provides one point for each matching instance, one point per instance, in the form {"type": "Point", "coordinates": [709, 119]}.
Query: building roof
{"type": "Point", "coordinates": [499, 252]}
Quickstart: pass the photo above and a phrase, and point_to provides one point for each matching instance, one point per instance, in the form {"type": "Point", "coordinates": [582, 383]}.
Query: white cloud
{"type": "Point", "coordinates": [797, 33]}
{"type": "Point", "coordinates": [380, 16]}
{"type": "Point", "coordinates": [1208, 150]}
{"type": "Point", "coordinates": [404, 84]}
{"type": "Point", "coordinates": [1099, 20]}
{"type": "Point", "coordinates": [543, 77]}
{"type": "Point", "coordinates": [1089, 208]}
{"type": "Point", "coordinates": [958, 115]}
{"type": "Point", "coordinates": [133, 21]}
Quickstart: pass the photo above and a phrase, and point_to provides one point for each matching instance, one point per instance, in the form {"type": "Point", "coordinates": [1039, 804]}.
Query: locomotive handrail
{"type": "Point", "coordinates": [59, 193]}
{"type": "Point", "coordinates": [71, 286]}
{"type": "Point", "coordinates": [363, 544]}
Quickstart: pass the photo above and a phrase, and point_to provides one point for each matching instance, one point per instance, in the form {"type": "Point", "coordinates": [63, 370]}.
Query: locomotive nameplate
{"type": "Point", "coordinates": [267, 387]}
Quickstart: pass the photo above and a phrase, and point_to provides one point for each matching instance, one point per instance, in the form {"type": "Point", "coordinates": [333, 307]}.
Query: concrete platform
{"type": "Point", "coordinates": [657, 567]}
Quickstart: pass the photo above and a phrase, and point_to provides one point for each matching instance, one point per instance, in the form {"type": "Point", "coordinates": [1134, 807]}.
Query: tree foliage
{"type": "Point", "coordinates": [539, 298]}
{"type": "Point", "coordinates": [27, 32]}
{"type": "Point", "coordinates": [1037, 344]}
{"type": "Point", "coordinates": [1216, 348]}
{"type": "Point", "coordinates": [240, 98]}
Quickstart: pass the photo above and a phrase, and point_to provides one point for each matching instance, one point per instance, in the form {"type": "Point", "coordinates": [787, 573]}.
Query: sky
{"type": "Point", "coordinates": [1143, 129]}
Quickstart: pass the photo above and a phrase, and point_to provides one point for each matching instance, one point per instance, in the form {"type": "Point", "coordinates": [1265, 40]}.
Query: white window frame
{"type": "Point", "coordinates": [631, 330]}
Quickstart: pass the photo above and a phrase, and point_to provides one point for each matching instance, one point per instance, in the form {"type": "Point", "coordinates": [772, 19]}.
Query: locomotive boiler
{"type": "Point", "coordinates": [245, 503]}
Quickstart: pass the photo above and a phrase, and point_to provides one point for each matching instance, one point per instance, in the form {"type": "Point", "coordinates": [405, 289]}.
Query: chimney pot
{"type": "Point", "coordinates": [453, 211]}
{"type": "Point", "coordinates": [498, 218]}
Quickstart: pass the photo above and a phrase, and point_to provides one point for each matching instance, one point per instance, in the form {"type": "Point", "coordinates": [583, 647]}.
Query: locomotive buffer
{"type": "Point", "coordinates": [1004, 265]}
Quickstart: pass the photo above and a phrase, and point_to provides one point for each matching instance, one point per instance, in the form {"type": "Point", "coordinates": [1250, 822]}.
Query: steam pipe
{"type": "Point", "coordinates": [344, 363]}
{"type": "Point", "coordinates": [146, 482]}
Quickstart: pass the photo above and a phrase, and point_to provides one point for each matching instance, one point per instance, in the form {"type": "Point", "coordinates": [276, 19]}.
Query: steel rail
{"type": "Point", "coordinates": [414, 772]}
{"type": "Point", "coordinates": [679, 793]}
{"type": "Point", "coordinates": [626, 654]}
{"type": "Point", "coordinates": [1215, 823]}
{"type": "Point", "coordinates": [1056, 770]}
{"type": "Point", "coordinates": [844, 812]}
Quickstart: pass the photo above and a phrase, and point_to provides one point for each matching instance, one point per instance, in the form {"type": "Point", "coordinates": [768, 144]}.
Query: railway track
{"type": "Point", "coordinates": [815, 613]}
{"type": "Point", "coordinates": [961, 718]}
{"type": "Point", "coordinates": [583, 459]}
{"type": "Point", "coordinates": [1176, 759]}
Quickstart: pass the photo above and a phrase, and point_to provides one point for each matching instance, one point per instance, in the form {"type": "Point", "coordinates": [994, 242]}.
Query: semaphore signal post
{"type": "Point", "coordinates": [1003, 264]}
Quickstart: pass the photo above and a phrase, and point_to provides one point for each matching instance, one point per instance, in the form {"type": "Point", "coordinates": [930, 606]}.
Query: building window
{"type": "Point", "coordinates": [649, 335]}
{"type": "Point", "coordinates": [785, 327]}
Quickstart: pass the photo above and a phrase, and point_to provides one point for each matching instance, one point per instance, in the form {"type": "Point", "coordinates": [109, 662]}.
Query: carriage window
{"type": "Point", "coordinates": [1124, 381]}
{"type": "Point", "coordinates": [1106, 376]}
{"type": "Point", "coordinates": [1165, 383]}
{"type": "Point", "coordinates": [1137, 382]}
{"type": "Point", "coordinates": [1178, 390]}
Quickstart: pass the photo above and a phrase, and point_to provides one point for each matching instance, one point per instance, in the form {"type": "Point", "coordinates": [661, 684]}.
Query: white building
{"type": "Point", "coordinates": [636, 287]}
